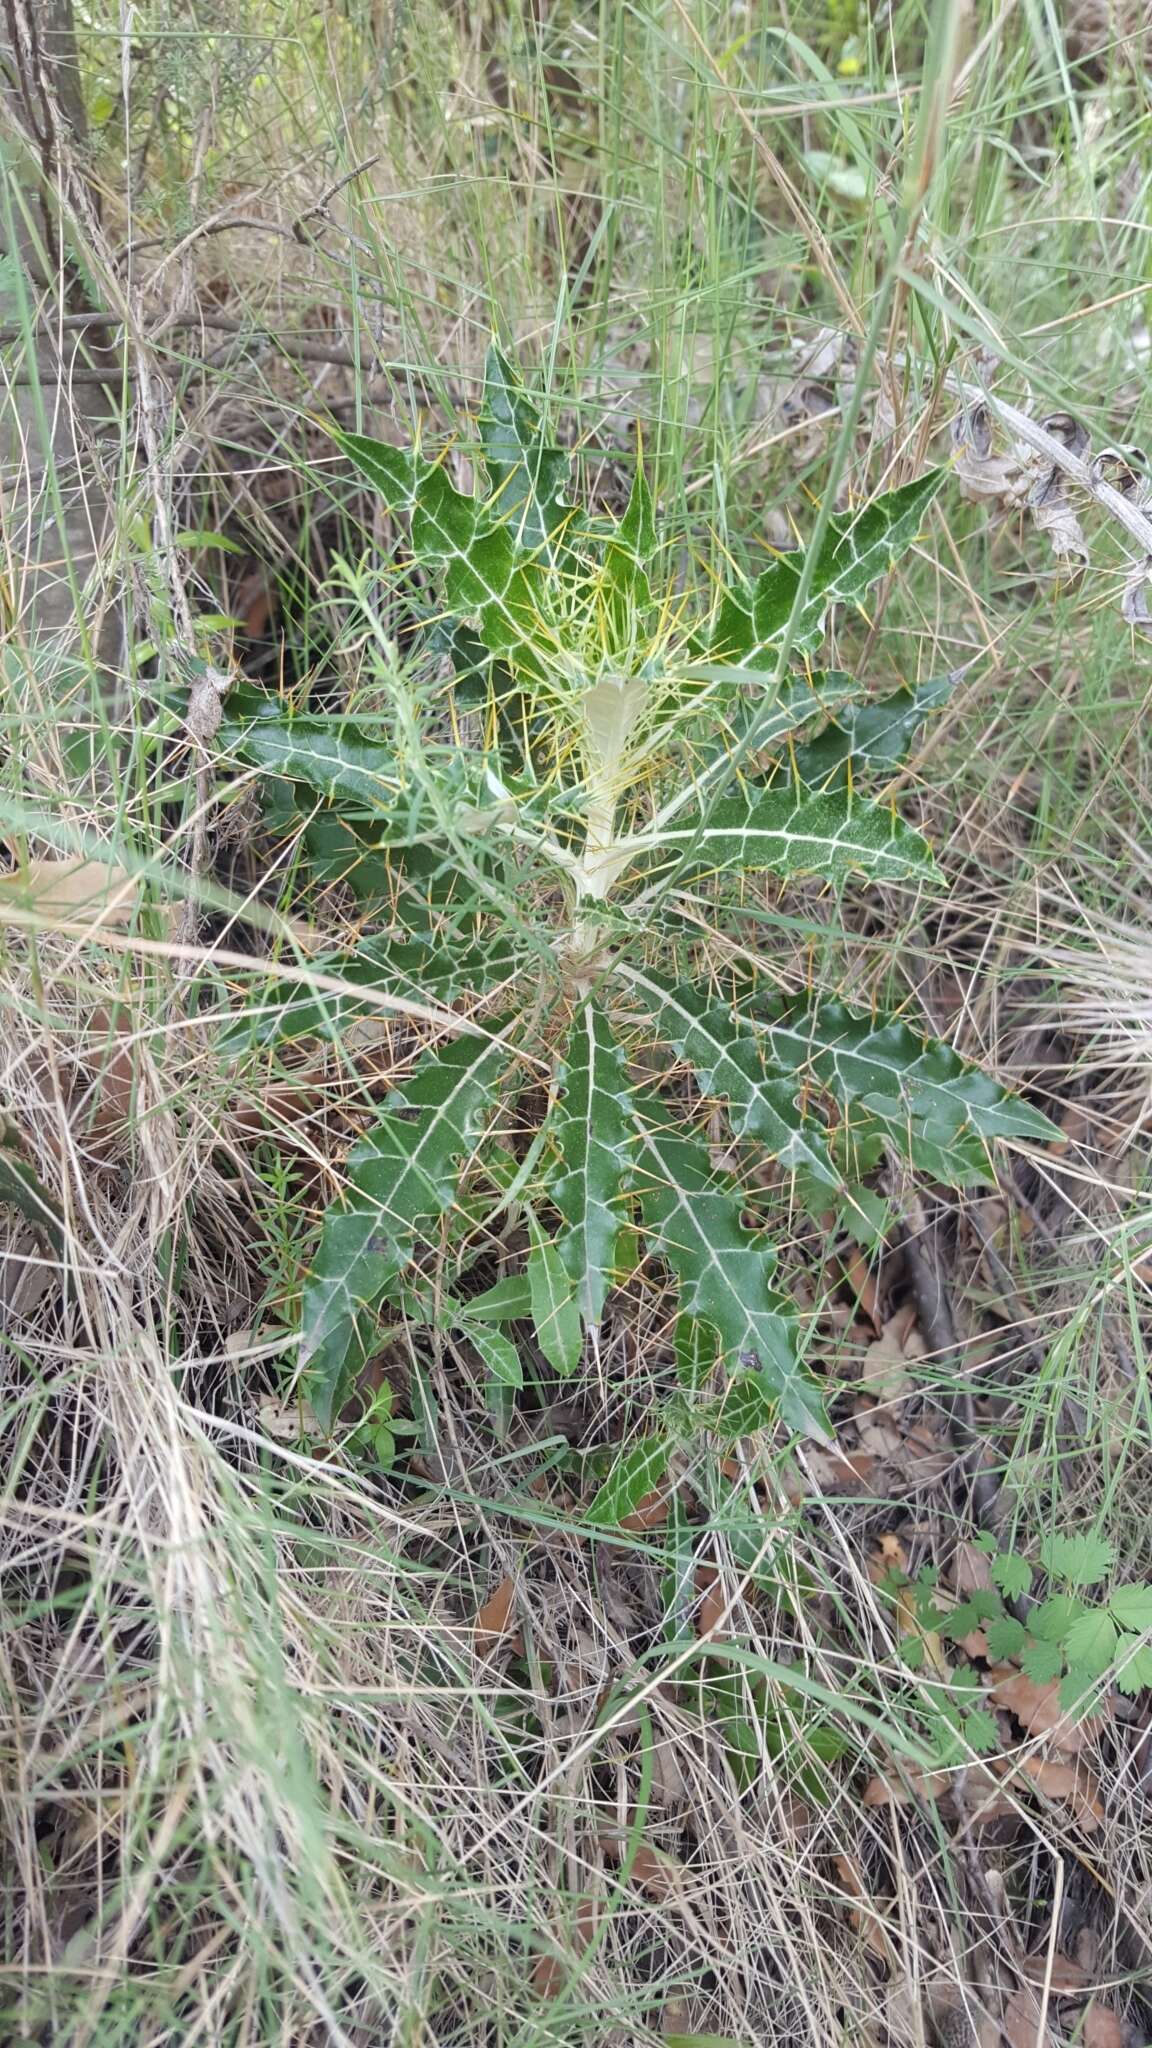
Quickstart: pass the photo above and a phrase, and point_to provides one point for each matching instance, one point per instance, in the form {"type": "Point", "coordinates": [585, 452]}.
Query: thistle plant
{"type": "Point", "coordinates": [550, 842]}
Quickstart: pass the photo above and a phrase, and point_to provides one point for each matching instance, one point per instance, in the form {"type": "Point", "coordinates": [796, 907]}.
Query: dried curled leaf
{"type": "Point", "coordinates": [1039, 1712]}
{"type": "Point", "coordinates": [1071, 1785]}
{"type": "Point", "coordinates": [1134, 600]}
{"type": "Point", "coordinates": [1048, 498]}
{"type": "Point", "coordinates": [980, 473]}
{"type": "Point", "coordinates": [1126, 469]}
{"type": "Point", "coordinates": [822, 386]}
{"type": "Point", "coordinates": [207, 690]}
{"type": "Point", "coordinates": [1022, 477]}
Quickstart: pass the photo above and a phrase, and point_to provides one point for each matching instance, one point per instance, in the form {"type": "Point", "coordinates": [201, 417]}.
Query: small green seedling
{"type": "Point", "coordinates": [1086, 1643]}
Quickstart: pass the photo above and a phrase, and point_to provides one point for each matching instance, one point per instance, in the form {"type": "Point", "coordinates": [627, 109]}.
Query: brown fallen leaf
{"type": "Point", "coordinates": [1075, 1126]}
{"type": "Point", "coordinates": [879, 1433]}
{"type": "Point", "coordinates": [974, 1644]}
{"type": "Point", "coordinates": [1071, 1785]}
{"type": "Point", "coordinates": [927, 1452]}
{"type": "Point", "coordinates": [884, 1371]}
{"type": "Point", "coordinates": [1063, 1975]}
{"type": "Point", "coordinates": [675, 2019]}
{"type": "Point", "coordinates": [861, 1279]}
{"type": "Point", "coordinates": [971, 1571]}
{"type": "Point", "coordinates": [863, 1916]}
{"type": "Point", "coordinates": [958, 2018]}
{"type": "Point", "coordinates": [651, 1512]}
{"type": "Point", "coordinates": [1022, 2021]}
{"type": "Point", "coordinates": [550, 1973]}
{"type": "Point", "coordinates": [890, 1555]}
{"type": "Point", "coordinates": [979, 1786]}
{"type": "Point", "coordinates": [713, 1603]}
{"type": "Point", "coordinates": [1102, 2027]}
{"type": "Point", "coordinates": [830, 1471]}
{"type": "Point", "coordinates": [656, 1873]}
{"type": "Point", "coordinates": [493, 1621]}
{"type": "Point", "coordinates": [108, 1060]}
{"type": "Point", "coordinates": [897, 1792]}
{"type": "Point", "coordinates": [793, 1816]}
{"type": "Point", "coordinates": [282, 1108]}
{"type": "Point", "coordinates": [982, 1797]}
{"type": "Point", "coordinates": [66, 891]}
{"type": "Point", "coordinates": [1038, 1710]}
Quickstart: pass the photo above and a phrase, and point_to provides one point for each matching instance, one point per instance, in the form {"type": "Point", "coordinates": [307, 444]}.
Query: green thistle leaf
{"type": "Point", "coordinates": [870, 734]}
{"type": "Point", "coordinates": [694, 1217]}
{"type": "Point", "coordinates": [554, 1309]}
{"type": "Point", "coordinates": [727, 1058]}
{"type": "Point", "coordinates": [500, 1356]}
{"type": "Point", "coordinates": [390, 471]}
{"type": "Point", "coordinates": [696, 1352]}
{"type": "Point", "coordinates": [485, 575]}
{"type": "Point", "coordinates": [914, 1087]}
{"type": "Point", "coordinates": [506, 1301]}
{"type": "Point", "coordinates": [403, 1177]}
{"type": "Point", "coordinates": [750, 1402]}
{"type": "Point", "coordinates": [525, 473]}
{"type": "Point", "coordinates": [751, 623]}
{"type": "Point", "coordinates": [634, 1474]}
{"type": "Point", "coordinates": [335, 756]}
{"type": "Point", "coordinates": [783, 831]}
{"type": "Point", "coordinates": [628, 552]}
{"type": "Point", "coordinates": [416, 969]}
{"type": "Point", "coordinates": [591, 1124]}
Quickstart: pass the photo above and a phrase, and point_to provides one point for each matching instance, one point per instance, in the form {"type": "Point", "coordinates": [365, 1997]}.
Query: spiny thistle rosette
{"type": "Point", "coordinates": [531, 832]}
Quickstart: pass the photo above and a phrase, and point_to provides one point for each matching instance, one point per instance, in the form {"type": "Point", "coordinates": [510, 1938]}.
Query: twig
{"type": "Point", "coordinates": [938, 1329]}
{"type": "Point", "coordinates": [209, 227]}
{"type": "Point", "coordinates": [306, 350]}
{"type": "Point", "coordinates": [320, 209]}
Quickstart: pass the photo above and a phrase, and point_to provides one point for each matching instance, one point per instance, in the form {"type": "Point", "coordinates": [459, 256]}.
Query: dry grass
{"type": "Point", "coordinates": [263, 1778]}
